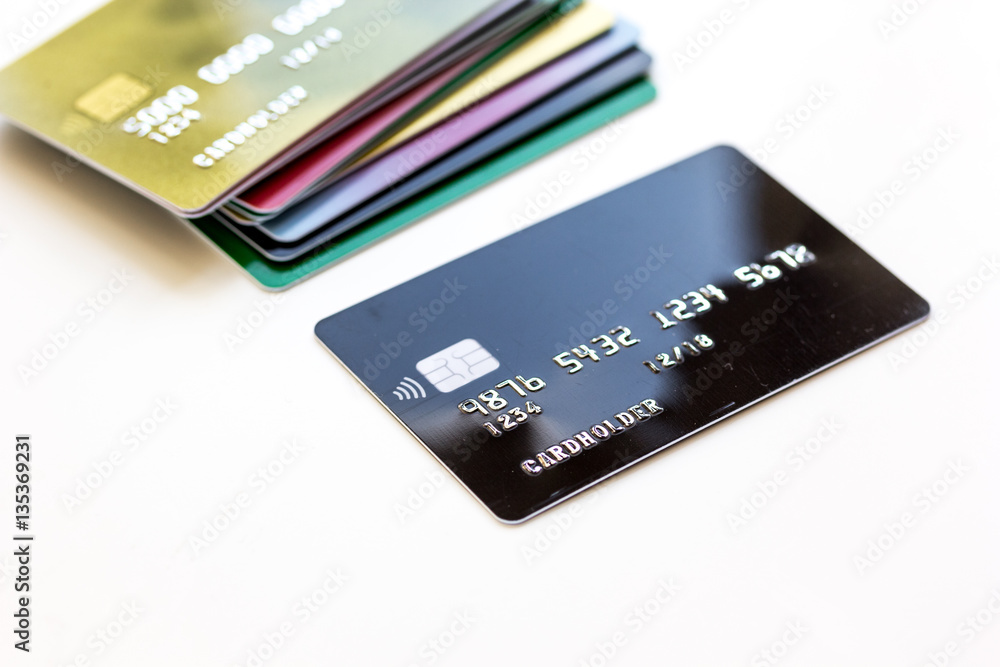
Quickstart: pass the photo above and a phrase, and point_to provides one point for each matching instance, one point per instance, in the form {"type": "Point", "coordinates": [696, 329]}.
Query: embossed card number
{"type": "Point", "coordinates": [566, 402]}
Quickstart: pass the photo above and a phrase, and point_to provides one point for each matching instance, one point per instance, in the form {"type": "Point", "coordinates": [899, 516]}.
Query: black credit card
{"type": "Point", "coordinates": [540, 365]}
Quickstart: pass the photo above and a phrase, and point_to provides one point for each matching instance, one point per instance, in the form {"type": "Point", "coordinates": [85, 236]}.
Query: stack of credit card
{"type": "Point", "coordinates": [293, 133]}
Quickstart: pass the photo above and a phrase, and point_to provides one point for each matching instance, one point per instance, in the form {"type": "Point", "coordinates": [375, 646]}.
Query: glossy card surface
{"type": "Point", "coordinates": [155, 92]}
{"type": "Point", "coordinates": [309, 224]}
{"type": "Point", "coordinates": [538, 366]}
{"type": "Point", "coordinates": [615, 75]}
{"type": "Point", "coordinates": [577, 27]}
{"type": "Point", "coordinates": [625, 69]}
{"type": "Point", "coordinates": [282, 275]}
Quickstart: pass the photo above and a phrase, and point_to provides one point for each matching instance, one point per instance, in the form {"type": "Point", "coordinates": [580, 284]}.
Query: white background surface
{"type": "Point", "coordinates": [335, 506]}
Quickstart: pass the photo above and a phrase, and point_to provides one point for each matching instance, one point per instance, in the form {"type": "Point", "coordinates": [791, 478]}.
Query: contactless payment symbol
{"type": "Point", "coordinates": [458, 365]}
{"type": "Point", "coordinates": [409, 389]}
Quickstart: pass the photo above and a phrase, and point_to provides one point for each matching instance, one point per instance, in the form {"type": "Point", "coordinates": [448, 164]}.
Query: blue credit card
{"type": "Point", "coordinates": [542, 364]}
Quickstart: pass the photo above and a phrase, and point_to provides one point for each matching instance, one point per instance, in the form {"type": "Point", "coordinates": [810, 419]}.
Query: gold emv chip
{"type": "Point", "coordinates": [112, 98]}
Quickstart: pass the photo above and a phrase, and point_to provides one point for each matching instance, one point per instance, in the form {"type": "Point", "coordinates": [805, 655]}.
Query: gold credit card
{"type": "Point", "coordinates": [183, 100]}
